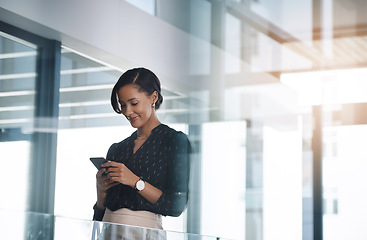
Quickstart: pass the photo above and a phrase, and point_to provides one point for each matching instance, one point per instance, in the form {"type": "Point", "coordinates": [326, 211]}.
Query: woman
{"type": "Point", "coordinates": [147, 174]}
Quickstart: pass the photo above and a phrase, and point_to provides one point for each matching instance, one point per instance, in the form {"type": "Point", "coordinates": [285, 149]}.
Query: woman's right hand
{"type": "Point", "coordinates": [103, 181]}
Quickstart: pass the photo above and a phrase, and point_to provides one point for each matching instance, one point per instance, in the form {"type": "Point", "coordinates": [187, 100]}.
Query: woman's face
{"type": "Point", "coordinates": [136, 105]}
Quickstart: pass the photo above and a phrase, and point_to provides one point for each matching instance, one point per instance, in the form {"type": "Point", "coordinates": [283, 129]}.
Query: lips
{"type": "Point", "coordinates": [133, 119]}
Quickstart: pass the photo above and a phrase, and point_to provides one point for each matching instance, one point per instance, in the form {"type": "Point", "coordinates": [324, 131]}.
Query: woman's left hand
{"type": "Point", "coordinates": [120, 173]}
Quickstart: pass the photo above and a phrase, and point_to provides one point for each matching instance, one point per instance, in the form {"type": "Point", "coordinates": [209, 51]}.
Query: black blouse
{"type": "Point", "coordinates": [163, 161]}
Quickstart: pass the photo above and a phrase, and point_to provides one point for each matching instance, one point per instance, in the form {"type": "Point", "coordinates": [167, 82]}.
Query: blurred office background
{"type": "Point", "coordinates": [272, 94]}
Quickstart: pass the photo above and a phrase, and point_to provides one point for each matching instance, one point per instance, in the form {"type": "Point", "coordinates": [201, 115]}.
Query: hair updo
{"type": "Point", "coordinates": [145, 79]}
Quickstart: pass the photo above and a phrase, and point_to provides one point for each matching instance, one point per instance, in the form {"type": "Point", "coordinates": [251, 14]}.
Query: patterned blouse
{"type": "Point", "coordinates": [163, 161]}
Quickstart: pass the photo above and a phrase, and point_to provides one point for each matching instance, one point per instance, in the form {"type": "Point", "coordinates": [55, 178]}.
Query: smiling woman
{"type": "Point", "coordinates": [147, 174]}
{"type": "Point", "coordinates": [137, 106]}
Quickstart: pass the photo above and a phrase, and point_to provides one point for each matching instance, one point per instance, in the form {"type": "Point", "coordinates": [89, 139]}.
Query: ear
{"type": "Point", "coordinates": [154, 97]}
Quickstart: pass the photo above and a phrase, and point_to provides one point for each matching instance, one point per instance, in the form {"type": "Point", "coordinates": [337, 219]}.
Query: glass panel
{"type": "Point", "coordinates": [84, 107]}
{"type": "Point", "coordinates": [200, 25]}
{"type": "Point", "coordinates": [17, 91]}
{"type": "Point", "coordinates": [345, 167]}
{"type": "Point", "coordinates": [251, 146]}
{"type": "Point", "coordinates": [43, 226]}
{"type": "Point", "coordinates": [233, 44]}
{"type": "Point", "coordinates": [145, 5]}
{"type": "Point", "coordinates": [17, 79]}
{"type": "Point", "coordinates": [223, 179]}
{"type": "Point", "coordinates": [283, 13]}
{"type": "Point", "coordinates": [282, 171]}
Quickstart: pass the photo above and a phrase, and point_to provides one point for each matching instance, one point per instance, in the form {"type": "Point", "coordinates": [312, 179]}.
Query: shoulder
{"type": "Point", "coordinates": [123, 143]}
{"type": "Point", "coordinates": [170, 133]}
{"type": "Point", "coordinates": [120, 150]}
{"type": "Point", "coordinates": [173, 138]}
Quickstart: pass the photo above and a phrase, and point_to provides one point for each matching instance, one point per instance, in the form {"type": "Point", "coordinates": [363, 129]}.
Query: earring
{"type": "Point", "coordinates": [153, 105]}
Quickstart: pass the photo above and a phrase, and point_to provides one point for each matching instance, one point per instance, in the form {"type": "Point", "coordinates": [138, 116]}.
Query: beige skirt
{"type": "Point", "coordinates": [136, 218]}
{"type": "Point", "coordinates": [145, 225]}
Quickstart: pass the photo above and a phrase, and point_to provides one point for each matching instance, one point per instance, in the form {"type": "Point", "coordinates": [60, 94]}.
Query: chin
{"type": "Point", "coordinates": [135, 124]}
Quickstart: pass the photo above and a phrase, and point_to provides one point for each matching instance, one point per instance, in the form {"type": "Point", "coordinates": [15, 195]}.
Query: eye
{"type": "Point", "coordinates": [134, 104]}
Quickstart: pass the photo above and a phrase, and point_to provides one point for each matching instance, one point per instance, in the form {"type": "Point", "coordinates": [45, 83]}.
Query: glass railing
{"type": "Point", "coordinates": [36, 226]}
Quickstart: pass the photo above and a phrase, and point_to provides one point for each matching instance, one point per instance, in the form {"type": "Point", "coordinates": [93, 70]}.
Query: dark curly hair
{"type": "Point", "coordinates": [145, 79]}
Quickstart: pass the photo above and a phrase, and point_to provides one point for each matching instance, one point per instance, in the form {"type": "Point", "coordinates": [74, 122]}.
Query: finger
{"type": "Point", "coordinates": [112, 164]}
{"type": "Point", "coordinates": [106, 178]}
{"type": "Point", "coordinates": [116, 174]}
{"type": "Point", "coordinates": [107, 182]}
{"type": "Point", "coordinates": [108, 164]}
{"type": "Point", "coordinates": [99, 176]}
{"type": "Point", "coordinates": [113, 170]}
{"type": "Point", "coordinates": [100, 171]}
{"type": "Point", "coordinates": [112, 185]}
{"type": "Point", "coordinates": [110, 182]}
{"type": "Point", "coordinates": [117, 178]}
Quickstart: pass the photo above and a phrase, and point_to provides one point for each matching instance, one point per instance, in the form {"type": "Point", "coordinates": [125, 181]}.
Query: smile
{"type": "Point", "coordinates": [132, 119]}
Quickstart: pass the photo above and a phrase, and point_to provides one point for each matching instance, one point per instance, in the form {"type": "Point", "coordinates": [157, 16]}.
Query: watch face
{"type": "Point", "coordinates": [140, 185]}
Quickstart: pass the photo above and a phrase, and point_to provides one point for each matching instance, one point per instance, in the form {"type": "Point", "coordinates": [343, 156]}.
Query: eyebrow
{"type": "Point", "coordinates": [128, 100]}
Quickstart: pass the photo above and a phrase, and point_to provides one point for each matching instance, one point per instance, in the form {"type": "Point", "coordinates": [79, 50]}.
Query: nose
{"type": "Point", "coordinates": [127, 111]}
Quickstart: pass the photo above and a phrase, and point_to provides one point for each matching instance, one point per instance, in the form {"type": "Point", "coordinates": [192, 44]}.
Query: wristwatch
{"type": "Point", "coordinates": [140, 185]}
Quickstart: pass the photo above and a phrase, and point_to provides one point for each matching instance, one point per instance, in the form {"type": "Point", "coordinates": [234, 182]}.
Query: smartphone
{"type": "Point", "coordinates": [98, 161]}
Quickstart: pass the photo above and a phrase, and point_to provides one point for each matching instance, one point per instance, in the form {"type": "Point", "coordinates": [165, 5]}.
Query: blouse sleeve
{"type": "Point", "coordinates": [98, 213]}
{"type": "Point", "coordinates": [175, 195]}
